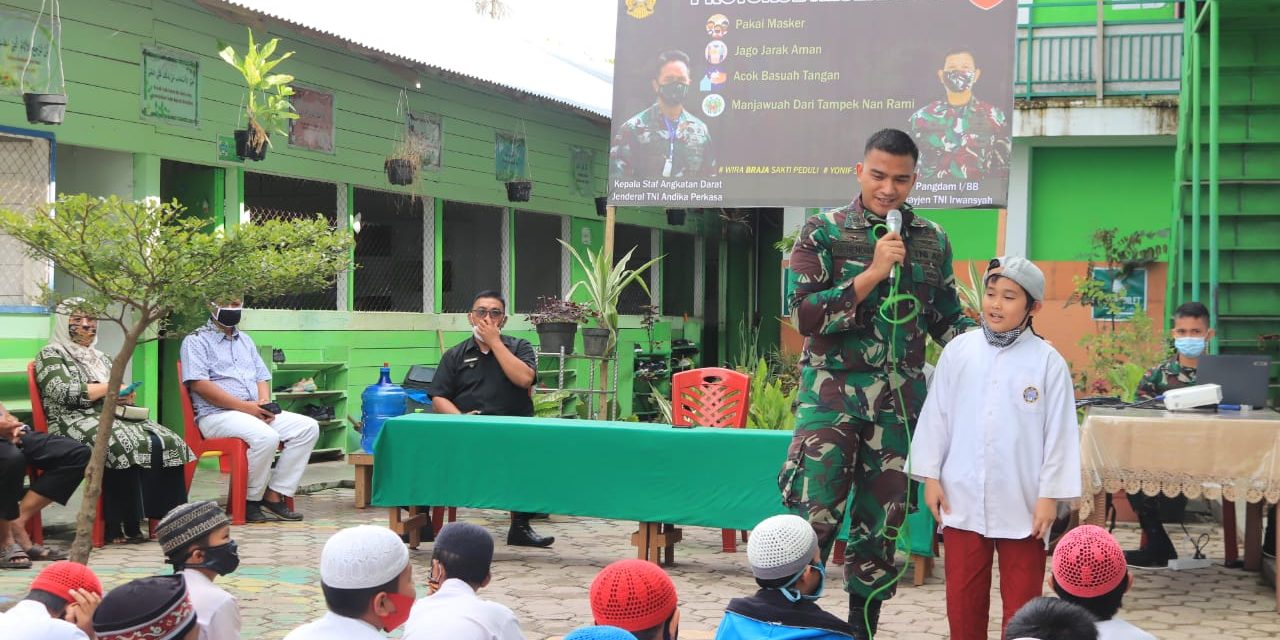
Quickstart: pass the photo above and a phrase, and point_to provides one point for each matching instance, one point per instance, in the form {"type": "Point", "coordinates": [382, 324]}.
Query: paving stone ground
{"type": "Point", "coordinates": [278, 582]}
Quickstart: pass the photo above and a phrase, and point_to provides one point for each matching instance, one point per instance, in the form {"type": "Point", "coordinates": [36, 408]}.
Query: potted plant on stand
{"type": "Point", "coordinates": [267, 106]}
{"type": "Point", "coordinates": [603, 284]}
{"type": "Point", "coordinates": [47, 107]}
{"type": "Point", "coordinates": [556, 321]}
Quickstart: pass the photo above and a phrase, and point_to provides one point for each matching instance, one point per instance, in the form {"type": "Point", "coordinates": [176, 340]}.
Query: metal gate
{"type": "Point", "coordinates": [25, 184]}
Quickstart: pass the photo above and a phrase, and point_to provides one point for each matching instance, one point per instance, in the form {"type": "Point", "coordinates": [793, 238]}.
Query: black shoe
{"type": "Point", "coordinates": [1149, 557]}
{"type": "Point", "coordinates": [539, 516]}
{"type": "Point", "coordinates": [864, 616]}
{"type": "Point", "coordinates": [281, 510]}
{"type": "Point", "coordinates": [522, 535]}
{"type": "Point", "coordinates": [253, 512]}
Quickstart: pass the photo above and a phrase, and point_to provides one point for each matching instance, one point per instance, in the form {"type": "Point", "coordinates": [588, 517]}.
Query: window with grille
{"type": "Point", "coordinates": [679, 271]}
{"type": "Point", "coordinates": [268, 197]}
{"type": "Point", "coordinates": [389, 251]}
{"type": "Point", "coordinates": [626, 237]}
{"type": "Point", "coordinates": [472, 260]}
{"type": "Point", "coordinates": [539, 259]}
{"type": "Point", "coordinates": [24, 185]}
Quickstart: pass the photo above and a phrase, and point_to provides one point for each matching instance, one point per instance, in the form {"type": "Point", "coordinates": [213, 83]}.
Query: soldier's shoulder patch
{"type": "Point", "coordinates": [1030, 395]}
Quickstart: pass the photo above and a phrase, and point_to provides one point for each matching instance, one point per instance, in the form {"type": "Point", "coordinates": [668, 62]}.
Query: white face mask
{"type": "Point", "coordinates": [475, 331]}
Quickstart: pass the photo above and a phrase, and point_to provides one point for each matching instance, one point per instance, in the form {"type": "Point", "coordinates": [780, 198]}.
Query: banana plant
{"type": "Point", "coordinates": [267, 106]}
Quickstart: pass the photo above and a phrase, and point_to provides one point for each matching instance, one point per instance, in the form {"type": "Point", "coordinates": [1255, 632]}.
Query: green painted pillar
{"type": "Point", "coordinates": [146, 357]}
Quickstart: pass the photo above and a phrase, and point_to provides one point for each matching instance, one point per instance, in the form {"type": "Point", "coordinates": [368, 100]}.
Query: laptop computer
{"type": "Point", "coordinates": [1244, 378]}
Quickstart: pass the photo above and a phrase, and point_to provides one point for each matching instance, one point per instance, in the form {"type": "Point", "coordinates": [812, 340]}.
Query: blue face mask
{"type": "Point", "coordinates": [1190, 347]}
{"type": "Point", "coordinates": [794, 595]}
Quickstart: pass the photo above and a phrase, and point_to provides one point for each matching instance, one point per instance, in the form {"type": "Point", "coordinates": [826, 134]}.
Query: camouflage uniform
{"type": "Point", "coordinates": [1167, 375]}
{"type": "Point", "coordinates": [849, 432]}
{"type": "Point", "coordinates": [968, 142]}
{"type": "Point", "coordinates": [642, 144]}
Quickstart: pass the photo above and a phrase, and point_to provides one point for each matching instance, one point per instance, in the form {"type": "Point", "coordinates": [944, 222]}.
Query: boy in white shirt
{"type": "Point", "coordinates": [997, 447]}
{"type": "Point", "coordinates": [367, 583]}
{"type": "Point", "coordinates": [460, 561]}
{"type": "Point", "coordinates": [1089, 569]}
{"type": "Point", "coordinates": [196, 539]}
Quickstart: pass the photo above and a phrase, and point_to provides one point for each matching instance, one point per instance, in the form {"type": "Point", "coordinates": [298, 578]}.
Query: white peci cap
{"type": "Point", "coordinates": [362, 557]}
{"type": "Point", "coordinates": [781, 547]}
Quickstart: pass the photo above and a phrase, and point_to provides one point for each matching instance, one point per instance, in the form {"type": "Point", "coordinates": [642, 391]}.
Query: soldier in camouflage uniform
{"type": "Point", "coordinates": [665, 140]}
{"type": "Point", "coordinates": [1191, 335]}
{"type": "Point", "coordinates": [851, 431]}
{"type": "Point", "coordinates": [961, 137]}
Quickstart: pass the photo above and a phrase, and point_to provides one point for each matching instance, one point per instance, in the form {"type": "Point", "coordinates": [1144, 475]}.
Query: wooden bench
{"type": "Point", "coordinates": [363, 462]}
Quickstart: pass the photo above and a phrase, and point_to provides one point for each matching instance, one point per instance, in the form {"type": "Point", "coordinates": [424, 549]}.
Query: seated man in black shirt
{"type": "Point", "coordinates": [490, 374]}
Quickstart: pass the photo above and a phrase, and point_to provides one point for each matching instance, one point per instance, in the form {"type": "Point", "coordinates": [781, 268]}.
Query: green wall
{"type": "Point", "coordinates": [1075, 191]}
{"type": "Point", "coordinates": [972, 232]}
{"type": "Point", "coordinates": [1086, 11]}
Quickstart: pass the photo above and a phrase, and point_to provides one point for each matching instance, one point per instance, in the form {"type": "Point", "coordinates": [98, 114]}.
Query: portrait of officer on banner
{"type": "Point", "coordinates": [664, 140]}
{"type": "Point", "coordinates": [961, 137]}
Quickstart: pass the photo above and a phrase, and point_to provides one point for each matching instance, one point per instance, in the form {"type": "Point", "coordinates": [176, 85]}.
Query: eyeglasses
{"type": "Point", "coordinates": [493, 313]}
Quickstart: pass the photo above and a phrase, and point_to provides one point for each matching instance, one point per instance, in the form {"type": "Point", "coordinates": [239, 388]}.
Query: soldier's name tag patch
{"type": "Point", "coordinates": [1030, 395]}
{"type": "Point", "coordinates": [845, 250]}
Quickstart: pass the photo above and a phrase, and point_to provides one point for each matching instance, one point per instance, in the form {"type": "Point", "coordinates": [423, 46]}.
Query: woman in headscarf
{"type": "Point", "coordinates": [144, 466]}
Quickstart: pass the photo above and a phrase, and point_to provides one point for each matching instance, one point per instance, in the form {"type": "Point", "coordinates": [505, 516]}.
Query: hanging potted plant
{"type": "Point", "coordinates": [556, 321]}
{"type": "Point", "coordinates": [513, 164]}
{"type": "Point", "coordinates": [402, 165]}
{"type": "Point", "coordinates": [47, 107]}
{"type": "Point", "coordinates": [267, 107]}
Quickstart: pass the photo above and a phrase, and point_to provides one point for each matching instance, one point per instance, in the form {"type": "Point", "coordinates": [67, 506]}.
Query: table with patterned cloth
{"type": "Point", "coordinates": [1231, 456]}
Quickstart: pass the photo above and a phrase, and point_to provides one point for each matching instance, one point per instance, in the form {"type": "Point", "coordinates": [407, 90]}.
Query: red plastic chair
{"type": "Point", "coordinates": [233, 456]}
{"type": "Point", "coordinates": [40, 422]}
{"type": "Point", "coordinates": [712, 397]}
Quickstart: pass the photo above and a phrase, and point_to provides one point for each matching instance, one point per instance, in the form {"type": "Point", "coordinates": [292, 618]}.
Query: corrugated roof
{"type": "Point", "coordinates": [487, 58]}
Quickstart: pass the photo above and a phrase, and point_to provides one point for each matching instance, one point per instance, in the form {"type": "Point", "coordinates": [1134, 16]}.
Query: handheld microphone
{"type": "Point", "coordinates": [893, 220]}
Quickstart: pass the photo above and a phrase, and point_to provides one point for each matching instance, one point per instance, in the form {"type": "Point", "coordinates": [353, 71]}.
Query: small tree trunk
{"type": "Point", "coordinates": [83, 543]}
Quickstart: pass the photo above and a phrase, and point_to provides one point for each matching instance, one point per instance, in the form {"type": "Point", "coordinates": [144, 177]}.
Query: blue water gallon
{"type": "Point", "coordinates": [379, 402]}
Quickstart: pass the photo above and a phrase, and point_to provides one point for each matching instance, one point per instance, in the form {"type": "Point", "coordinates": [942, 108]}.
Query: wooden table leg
{"type": "Point", "coordinates": [671, 534]}
{"type": "Point", "coordinates": [1253, 536]}
{"type": "Point", "coordinates": [1276, 526]}
{"type": "Point", "coordinates": [645, 541]}
{"type": "Point", "coordinates": [411, 525]}
{"type": "Point", "coordinates": [1230, 539]}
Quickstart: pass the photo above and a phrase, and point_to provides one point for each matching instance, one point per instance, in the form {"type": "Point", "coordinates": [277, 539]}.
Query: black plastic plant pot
{"type": "Point", "coordinates": [675, 217]}
{"type": "Point", "coordinates": [595, 341]}
{"type": "Point", "coordinates": [45, 108]}
{"type": "Point", "coordinates": [519, 191]}
{"type": "Point", "coordinates": [552, 336]}
{"type": "Point", "coordinates": [245, 150]}
{"type": "Point", "coordinates": [602, 206]}
{"type": "Point", "coordinates": [399, 171]}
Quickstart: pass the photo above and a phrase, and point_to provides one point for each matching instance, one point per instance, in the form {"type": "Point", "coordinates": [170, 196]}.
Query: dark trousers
{"type": "Point", "coordinates": [129, 495]}
{"type": "Point", "coordinates": [1147, 509]}
{"type": "Point", "coordinates": [61, 462]}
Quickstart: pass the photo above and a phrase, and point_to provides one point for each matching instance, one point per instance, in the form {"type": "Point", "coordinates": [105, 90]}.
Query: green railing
{"type": "Point", "coordinates": [1103, 57]}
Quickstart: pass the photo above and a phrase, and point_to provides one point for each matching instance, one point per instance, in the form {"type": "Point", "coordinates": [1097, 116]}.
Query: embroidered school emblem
{"type": "Point", "coordinates": [1030, 395]}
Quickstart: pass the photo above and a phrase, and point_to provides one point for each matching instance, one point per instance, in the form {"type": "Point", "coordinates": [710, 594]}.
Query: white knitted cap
{"type": "Point", "coordinates": [781, 547]}
{"type": "Point", "coordinates": [362, 557]}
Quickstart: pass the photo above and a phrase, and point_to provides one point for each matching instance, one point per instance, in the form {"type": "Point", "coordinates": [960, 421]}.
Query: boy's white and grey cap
{"type": "Point", "coordinates": [780, 547]}
{"type": "Point", "coordinates": [1020, 270]}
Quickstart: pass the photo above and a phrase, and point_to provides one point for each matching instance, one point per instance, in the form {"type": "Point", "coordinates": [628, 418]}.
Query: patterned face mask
{"type": "Point", "coordinates": [959, 81]}
{"type": "Point", "coordinates": [1001, 339]}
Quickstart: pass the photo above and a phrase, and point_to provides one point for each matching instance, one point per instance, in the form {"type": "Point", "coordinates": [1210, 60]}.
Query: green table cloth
{"type": "Point", "coordinates": [723, 478]}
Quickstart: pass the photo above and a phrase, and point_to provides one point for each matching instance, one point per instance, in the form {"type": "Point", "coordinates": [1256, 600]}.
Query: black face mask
{"type": "Point", "coordinates": [673, 93]}
{"type": "Point", "coordinates": [227, 317]}
{"type": "Point", "coordinates": [222, 559]}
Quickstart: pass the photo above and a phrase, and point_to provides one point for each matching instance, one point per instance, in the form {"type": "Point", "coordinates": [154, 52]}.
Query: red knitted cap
{"type": "Point", "coordinates": [1088, 562]}
{"type": "Point", "coordinates": [60, 577]}
{"type": "Point", "coordinates": [632, 594]}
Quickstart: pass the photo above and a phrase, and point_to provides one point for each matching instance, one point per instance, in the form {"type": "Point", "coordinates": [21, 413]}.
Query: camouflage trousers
{"type": "Point", "coordinates": [832, 454]}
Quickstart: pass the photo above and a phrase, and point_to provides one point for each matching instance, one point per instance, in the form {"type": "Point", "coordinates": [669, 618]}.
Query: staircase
{"type": "Point", "coordinates": [1227, 205]}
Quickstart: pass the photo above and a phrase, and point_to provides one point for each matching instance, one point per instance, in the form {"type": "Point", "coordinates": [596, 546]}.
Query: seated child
{"type": "Point", "coordinates": [783, 552]}
{"type": "Point", "coordinates": [1051, 619]}
{"type": "Point", "coordinates": [1089, 570]}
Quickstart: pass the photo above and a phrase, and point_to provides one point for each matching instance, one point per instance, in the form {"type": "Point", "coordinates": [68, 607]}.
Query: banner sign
{"type": "Point", "coordinates": [582, 166]}
{"type": "Point", "coordinates": [509, 161]}
{"type": "Point", "coordinates": [753, 103]}
{"type": "Point", "coordinates": [170, 88]}
{"type": "Point", "coordinates": [15, 47]}
{"type": "Point", "coordinates": [427, 136]}
{"type": "Point", "coordinates": [314, 127]}
{"type": "Point", "coordinates": [1132, 289]}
